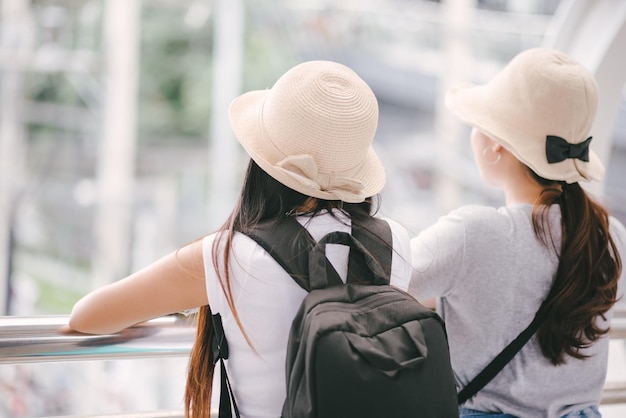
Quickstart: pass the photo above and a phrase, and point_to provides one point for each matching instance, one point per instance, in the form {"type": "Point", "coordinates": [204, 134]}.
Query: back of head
{"type": "Point", "coordinates": [313, 130]}
{"type": "Point", "coordinates": [541, 108]}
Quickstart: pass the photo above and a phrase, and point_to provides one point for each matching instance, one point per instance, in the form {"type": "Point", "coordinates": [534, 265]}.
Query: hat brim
{"type": "Point", "coordinates": [245, 115]}
{"type": "Point", "coordinates": [475, 106]}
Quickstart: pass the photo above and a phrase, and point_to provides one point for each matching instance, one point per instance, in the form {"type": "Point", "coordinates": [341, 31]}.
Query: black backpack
{"type": "Point", "coordinates": [361, 349]}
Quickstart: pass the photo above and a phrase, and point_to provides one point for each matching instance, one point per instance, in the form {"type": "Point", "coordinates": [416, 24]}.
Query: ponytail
{"type": "Point", "coordinates": [585, 283]}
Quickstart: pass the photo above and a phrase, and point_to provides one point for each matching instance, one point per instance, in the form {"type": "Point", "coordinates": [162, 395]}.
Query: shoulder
{"type": "Point", "coordinates": [400, 236]}
{"type": "Point", "coordinates": [481, 213]}
{"type": "Point", "coordinates": [469, 217]}
{"type": "Point", "coordinates": [474, 211]}
{"type": "Point", "coordinates": [487, 218]}
{"type": "Point", "coordinates": [474, 225]}
{"type": "Point", "coordinates": [215, 244]}
{"type": "Point", "coordinates": [397, 229]}
{"type": "Point", "coordinates": [401, 254]}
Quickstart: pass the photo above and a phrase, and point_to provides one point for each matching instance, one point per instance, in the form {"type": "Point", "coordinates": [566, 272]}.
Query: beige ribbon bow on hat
{"type": "Point", "coordinates": [303, 169]}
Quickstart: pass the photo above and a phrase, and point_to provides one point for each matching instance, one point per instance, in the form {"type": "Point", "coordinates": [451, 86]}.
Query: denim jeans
{"type": "Point", "coordinates": [589, 412]}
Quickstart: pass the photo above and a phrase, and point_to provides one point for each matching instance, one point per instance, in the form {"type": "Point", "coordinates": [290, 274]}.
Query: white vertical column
{"type": "Point", "coordinates": [14, 24]}
{"type": "Point", "coordinates": [456, 62]}
{"type": "Point", "coordinates": [116, 164]}
{"type": "Point", "coordinates": [228, 24]}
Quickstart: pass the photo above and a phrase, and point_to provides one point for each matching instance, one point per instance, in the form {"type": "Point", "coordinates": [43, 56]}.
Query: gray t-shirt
{"type": "Point", "coordinates": [491, 274]}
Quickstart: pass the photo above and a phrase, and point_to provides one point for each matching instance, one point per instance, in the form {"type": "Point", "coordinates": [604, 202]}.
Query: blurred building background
{"type": "Point", "coordinates": [115, 146]}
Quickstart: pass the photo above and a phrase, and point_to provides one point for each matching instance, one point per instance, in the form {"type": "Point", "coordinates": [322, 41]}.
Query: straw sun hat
{"type": "Point", "coordinates": [540, 107]}
{"type": "Point", "coordinates": [313, 130]}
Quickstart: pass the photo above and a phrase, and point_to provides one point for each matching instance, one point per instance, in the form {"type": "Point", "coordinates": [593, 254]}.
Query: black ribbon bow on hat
{"type": "Point", "coordinates": [558, 149]}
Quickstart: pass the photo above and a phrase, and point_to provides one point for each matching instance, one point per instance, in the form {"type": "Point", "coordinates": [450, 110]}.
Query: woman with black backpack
{"type": "Point", "coordinates": [309, 138]}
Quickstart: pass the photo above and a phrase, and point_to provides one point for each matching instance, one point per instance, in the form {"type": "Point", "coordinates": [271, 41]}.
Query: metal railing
{"type": "Point", "coordinates": [43, 339]}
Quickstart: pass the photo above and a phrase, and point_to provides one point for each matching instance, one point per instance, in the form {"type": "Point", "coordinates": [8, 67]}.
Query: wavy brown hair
{"type": "Point", "coordinates": [585, 283]}
{"type": "Point", "coordinates": [262, 198]}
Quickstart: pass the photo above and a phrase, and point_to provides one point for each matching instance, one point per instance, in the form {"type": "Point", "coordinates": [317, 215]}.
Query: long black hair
{"type": "Point", "coordinates": [262, 199]}
{"type": "Point", "coordinates": [585, 284]}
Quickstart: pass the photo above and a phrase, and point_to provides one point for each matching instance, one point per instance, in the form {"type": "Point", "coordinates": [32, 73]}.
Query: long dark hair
{"type": "Point", "coordinates": [262, 198]}
{"type": "Point", "coordinates": [585, 284]}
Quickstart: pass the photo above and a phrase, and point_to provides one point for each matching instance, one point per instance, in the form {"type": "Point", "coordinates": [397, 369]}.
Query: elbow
{"type": "Point", "coordinates": [77, 322]}
{"type": "Point", "coordinates": [83, 320]}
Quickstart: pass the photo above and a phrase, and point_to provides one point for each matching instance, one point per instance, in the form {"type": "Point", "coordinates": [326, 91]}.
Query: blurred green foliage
{"type": "Point", "coordinates": [175, 62]}
{"type": "Point", "coordinates": [175, 75]}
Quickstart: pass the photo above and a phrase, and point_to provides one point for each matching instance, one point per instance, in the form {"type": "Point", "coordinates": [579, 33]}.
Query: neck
{"type": "Point", "coordinates": [516, 181]}
{"type": "Point", "coordinates": [521, 189]}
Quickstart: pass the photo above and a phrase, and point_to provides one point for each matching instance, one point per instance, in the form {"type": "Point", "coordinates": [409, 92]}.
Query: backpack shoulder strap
{"type": "Point", "coordinates": [370, 232]}
{"type": "Point", "coordinates": [502, 359]}
{"type": "Point", "coordinates": [289, 243]}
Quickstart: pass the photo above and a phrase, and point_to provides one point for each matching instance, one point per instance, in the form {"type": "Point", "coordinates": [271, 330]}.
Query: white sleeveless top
{"type": "Point", "coordinates": [266, 300]}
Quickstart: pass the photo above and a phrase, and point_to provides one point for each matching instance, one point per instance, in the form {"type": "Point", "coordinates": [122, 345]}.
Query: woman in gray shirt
{"type": "Point", "coordinates": [492, 268]}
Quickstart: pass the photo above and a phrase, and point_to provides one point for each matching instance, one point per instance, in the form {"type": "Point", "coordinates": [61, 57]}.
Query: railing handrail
{"type": "Point", "coordinates": [151, 414]}
{"type": "Point", "coordinates": [38, 339]}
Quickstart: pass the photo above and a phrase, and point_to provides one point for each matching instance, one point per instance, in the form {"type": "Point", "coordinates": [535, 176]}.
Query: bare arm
{"type": "Point", "coordinates": [171, 284]}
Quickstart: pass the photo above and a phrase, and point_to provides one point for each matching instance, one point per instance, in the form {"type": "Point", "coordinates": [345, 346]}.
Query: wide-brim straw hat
{"type": "Point", "coordinates": [541, 104]}
{"type": "Point", "coordinates": [313, 132]}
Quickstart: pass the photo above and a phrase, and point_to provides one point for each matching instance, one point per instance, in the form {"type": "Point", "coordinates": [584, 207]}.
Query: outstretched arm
{"type": "Point", "coordinates": [171, 284]}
